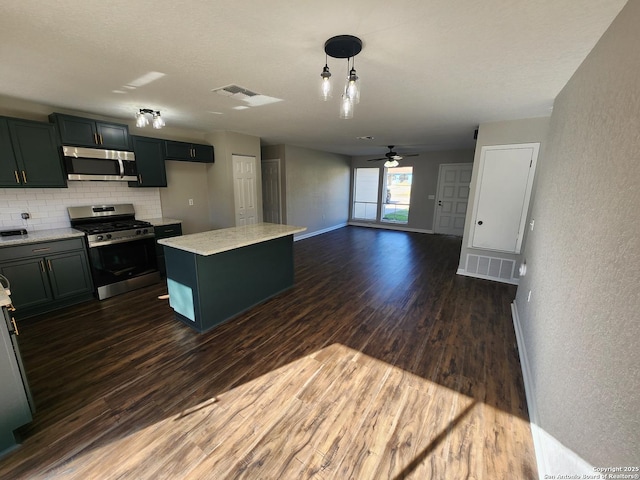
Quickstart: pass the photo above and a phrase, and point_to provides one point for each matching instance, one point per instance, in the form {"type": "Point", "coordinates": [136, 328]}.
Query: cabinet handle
{"type": "Point", "coordinates": [24, 176]}
{"type": "Point", "coordinates": [15, 326]}
{"type": "Point", "coordinates": [140, 177]}
{"type": "Point", "coordinates": [169, 230]}
{"type": "Point", "coordinates": [101, 142]}
{"type": "Point", "coordinates": [95, 139]}
{"type": "Point", "coordinates": [17, 176]}
{"type": "Point", "coordinates": [45, 249]}
{"type": "Point", "coordinates": [41, 262]}
{"type": "Point", "coordinates": [49, 265]}
{"type": "Point", "coordinates": [193, 153]}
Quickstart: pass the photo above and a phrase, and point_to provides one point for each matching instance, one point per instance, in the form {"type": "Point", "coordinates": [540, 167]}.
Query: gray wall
{"type": "Point", "coordinates": [581, 327]}
{"type": "Point", "coordinates": [317, 188]}
{"type": "Point", "coordinates": [186, 180]}
{"type": "Point", "coordinates": [220, 175]}
{"type": "Point", "coordinates": [530, 130]}
{"type": "Point", "coordinates": [425, 182]}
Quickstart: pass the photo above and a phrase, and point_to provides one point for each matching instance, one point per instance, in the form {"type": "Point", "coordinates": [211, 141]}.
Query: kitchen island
{"type": "Point", "coordinates": [213, 276]}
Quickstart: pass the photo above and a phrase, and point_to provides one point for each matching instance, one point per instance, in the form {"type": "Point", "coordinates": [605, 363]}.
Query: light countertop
{"type": "Point", "coordinates": [159, 222]}
{"type": "Point", "coordinates": [4, 299]}
{"type": "Point", "coordinates": [217, 241]}
{"type": "Point", "coordinates": [41, 236]}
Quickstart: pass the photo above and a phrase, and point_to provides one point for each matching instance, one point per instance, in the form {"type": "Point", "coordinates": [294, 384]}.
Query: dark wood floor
{"type": "Point", "coordinates": [380, 363]}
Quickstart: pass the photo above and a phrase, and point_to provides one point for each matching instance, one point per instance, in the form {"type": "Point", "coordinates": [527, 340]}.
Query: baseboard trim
{"type": "Point", "coordinates": [390, 227]}
{"type": "Point", "coordinates": [318, 232]}
{"type": "Point", "coordinates": [552, 457]}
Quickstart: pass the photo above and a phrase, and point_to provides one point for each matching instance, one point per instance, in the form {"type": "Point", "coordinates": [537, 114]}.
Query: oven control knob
{"type": "Point", "coordinates": [138, 232]}
{"type": "Point", "coordinates": [145, 231]}
{"type": "Point", "coordinates": [108, 236]}
{"type": "Point", "coordinates": [99, 237]}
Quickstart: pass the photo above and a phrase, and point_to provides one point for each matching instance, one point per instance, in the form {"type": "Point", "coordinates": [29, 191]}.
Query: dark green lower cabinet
{"type": "Point", "coordinates": [30, 286]}
{"type": "Point", "coordinates": [46, 276]}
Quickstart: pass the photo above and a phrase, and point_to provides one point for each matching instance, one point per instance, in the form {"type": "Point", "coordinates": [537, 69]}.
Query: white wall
{"type": "Point", "coordinates": [581, 329]}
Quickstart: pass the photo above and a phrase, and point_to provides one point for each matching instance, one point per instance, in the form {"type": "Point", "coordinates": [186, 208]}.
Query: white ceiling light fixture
{"type": "Point", "coordinates": [156, 119]}
{"type": "Point", "coordinates": [342, 46]}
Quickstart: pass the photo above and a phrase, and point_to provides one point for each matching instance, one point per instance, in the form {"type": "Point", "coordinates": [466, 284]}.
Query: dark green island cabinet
{"type": "Point", "coordinates": [214, 276]}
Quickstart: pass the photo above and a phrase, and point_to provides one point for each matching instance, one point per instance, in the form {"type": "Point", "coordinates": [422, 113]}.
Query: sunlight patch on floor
{"type": "Point", "coordinates": [336, 413]}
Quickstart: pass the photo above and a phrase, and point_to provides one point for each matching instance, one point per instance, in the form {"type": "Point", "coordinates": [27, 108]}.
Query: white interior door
{"type": "Point", "coordinates": [502, 196]}
{"type": "Point", "coordinates": [271, 210]}
{"type": "Point", "coordinates": [244, 189]}
{"type": "Point", "coordinates": [452, 198]}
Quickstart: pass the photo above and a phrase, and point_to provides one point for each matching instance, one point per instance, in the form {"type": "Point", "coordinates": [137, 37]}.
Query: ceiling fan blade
{"type": "Point", "coordinates": [376, 159]}
{"type": "Point", "coordinates": [411, 155]}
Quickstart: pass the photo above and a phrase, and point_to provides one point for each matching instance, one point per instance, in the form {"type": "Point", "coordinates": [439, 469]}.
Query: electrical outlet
{"type": "Point", "coordinates": [25, 216]}
{"type": "Point", "coordinates": [191, 201]}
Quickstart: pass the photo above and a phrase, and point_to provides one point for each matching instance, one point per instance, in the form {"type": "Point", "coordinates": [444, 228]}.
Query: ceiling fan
{"type": "Point", "coordinates": [392, 157]}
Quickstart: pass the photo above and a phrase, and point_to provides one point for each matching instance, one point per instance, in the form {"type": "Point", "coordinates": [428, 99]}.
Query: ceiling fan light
{"type": "Point", "coordinates": [325, 85]}
{"type": "Point", "coordinates": [391, 163]}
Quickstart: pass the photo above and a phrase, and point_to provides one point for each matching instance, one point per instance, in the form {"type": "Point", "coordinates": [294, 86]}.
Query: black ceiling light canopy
{"type": "Point", "coordinates": [342, 46]}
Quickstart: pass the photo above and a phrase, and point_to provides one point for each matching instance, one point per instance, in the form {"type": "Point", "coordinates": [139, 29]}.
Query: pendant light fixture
{"type": "Point", "coordinates": [142, 120]}
{"type": "Point", "coordinates": [342, 46]}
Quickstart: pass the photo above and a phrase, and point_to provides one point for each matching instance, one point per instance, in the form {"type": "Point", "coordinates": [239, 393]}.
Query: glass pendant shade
{"type": "Point", "coordinates": [158, 122]}
{"type": "Point", "coordinates": [346, 107]}
{"type": "Point", "coordinates": [325, 85]}
{"type": "Point", "coordinates": [352, 88]}
{"type": "Point", "coordinates": [141, 120]}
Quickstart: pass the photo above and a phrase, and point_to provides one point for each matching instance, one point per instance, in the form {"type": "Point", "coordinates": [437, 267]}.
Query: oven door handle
{"type": "Point", "coordinates": [121, 167]}
{"type": "Point", "coordinates": [122, 240]}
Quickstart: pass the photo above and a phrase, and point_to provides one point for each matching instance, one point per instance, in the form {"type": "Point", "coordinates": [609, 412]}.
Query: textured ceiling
{"type": "Point", "coordinates": [431, 70]}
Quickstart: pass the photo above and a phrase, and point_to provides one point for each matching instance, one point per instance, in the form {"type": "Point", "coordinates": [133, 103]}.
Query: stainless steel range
{"type": "Point", "coordinates": [122, 249]}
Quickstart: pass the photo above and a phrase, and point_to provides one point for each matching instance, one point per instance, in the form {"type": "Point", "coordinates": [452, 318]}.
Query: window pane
{"type": "Point", "coordinates": [395, 208]}
{"type": "Point", "coordinates": [365, 194]}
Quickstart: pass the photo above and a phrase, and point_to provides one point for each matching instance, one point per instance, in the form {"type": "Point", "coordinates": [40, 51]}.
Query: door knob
{"type": "Point", "coordinates": [480, 222]}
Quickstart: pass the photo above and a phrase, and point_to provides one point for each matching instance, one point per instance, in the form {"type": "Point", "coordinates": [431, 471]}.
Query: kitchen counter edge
{"type": "Point", "coordinates": [40, 236]}
{"type": "Point", "coordinates": [225, 239]}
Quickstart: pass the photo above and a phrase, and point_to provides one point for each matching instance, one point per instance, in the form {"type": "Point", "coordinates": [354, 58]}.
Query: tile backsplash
{"type": "Point", "coordinates": [48, 206]}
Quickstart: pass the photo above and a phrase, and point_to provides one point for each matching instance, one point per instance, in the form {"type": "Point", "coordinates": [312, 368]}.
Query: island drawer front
{"type": "Point", "coordinates": [164, 231]}
{"type": "Point", "coordinates": [42, 249]}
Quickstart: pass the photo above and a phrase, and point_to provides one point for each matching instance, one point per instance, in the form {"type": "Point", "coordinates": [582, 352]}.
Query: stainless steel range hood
{"type": "Point", "coordinates": [96, 164]}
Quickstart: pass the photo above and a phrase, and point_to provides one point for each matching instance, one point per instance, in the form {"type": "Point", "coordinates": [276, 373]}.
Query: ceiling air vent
{"type": "Point", "coordinates": [242, 94]}
{"type": "Point", "coordinates": [235, 91]}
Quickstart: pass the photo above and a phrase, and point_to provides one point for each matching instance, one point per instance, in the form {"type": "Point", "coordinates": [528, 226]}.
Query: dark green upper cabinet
{"type": "Point", "coordinates": [85, 132]}
{"type": "Point", "coordinates": [189, 152]}
{"type": "Point", "coordinates": [149, 161]}
{"type": "Point", "coordinates": [9, 172]}
{"type": "Point", "coordinates": [30, 155]}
